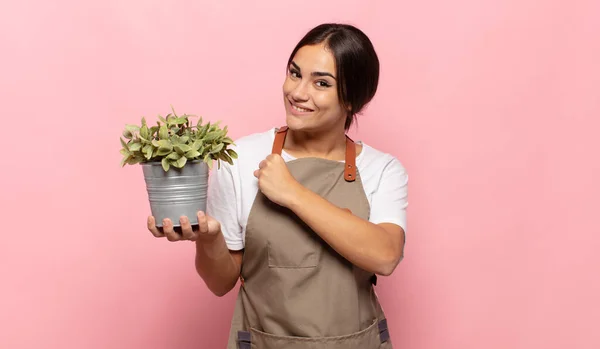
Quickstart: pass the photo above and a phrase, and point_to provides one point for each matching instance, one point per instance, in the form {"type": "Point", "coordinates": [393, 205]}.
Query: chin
{"type": "Point", "coordinates": [294, 123]}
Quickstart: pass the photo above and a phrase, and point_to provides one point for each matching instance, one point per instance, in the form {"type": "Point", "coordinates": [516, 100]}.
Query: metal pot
{"type": "Point", "coordinates": [177, 192]}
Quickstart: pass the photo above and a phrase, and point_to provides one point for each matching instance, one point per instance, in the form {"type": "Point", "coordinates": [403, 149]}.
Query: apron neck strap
{"type": "Point", "coordinates": [350, 165]}
{"type": "Point", "coordinates": [279, 140]}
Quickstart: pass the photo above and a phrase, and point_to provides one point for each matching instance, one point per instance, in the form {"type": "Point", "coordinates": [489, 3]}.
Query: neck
{"type": "Point", "coordinates": [329, 144]}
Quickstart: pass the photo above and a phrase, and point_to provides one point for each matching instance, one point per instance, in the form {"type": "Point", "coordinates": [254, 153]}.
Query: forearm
{"type": "Point", "coordinates": [364, 244]}
{"type": "Point", "coordinates": [215, 264]}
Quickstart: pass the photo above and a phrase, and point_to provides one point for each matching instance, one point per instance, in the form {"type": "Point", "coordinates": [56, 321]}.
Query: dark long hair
{"type": "Point", "coordinates": [356, 63]}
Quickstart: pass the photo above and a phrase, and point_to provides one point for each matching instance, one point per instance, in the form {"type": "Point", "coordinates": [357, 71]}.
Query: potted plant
{"type": "Point", "coordinates": [176, 156]}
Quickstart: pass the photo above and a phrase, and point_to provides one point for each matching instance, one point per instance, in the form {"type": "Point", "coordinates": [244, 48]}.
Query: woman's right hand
{"type": "Point", "coordinates": [207, 227]}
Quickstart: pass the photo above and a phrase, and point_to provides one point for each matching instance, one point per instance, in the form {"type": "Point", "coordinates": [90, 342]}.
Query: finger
{"type": "Point", "coordinates": [153, 229]}
{"type": "Point", "coordinates": [202, 223]}
{"type": "Point", "coordinates": [257, 173]}
{"type": "Point", "coordinates": [213, 226]}
{"type": "Point", "coordinates": [262, 164]}
{"type": "Point", "coordinates": [186, 229]}
{"type": "Point", "coordinates": [169, 232]}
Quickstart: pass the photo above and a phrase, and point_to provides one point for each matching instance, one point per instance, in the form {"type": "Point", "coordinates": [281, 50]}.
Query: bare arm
{"type": "Point", "coordinates": [215, 263]}
{"type": "Point", "coordinates": [217, 266]}
{"type": "Point", "coordinates": [377, 248]}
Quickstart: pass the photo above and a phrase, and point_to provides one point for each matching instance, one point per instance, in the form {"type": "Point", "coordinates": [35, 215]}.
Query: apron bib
{"type": "Point", "coordinates": [297, 292]}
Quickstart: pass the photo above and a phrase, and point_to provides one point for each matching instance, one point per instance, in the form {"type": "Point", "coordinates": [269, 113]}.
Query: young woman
{"type": "Point", "coordinates": [306, 218]}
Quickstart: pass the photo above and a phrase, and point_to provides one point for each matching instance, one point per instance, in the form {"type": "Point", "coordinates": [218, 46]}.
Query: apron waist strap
{"type": "Point", "coordinates": [384, 333]}
{"type": "Point", "coordinates": [244, 340]}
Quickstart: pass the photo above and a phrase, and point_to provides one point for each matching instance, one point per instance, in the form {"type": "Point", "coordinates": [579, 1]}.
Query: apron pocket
{"type": "Point", "coordinates": [304, 254]}
{"type": "Point", "coordinates": [365, 339]}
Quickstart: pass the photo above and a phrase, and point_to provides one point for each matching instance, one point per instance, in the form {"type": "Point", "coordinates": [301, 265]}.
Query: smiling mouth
{"type": "Point", "coordinates": [300, 109]}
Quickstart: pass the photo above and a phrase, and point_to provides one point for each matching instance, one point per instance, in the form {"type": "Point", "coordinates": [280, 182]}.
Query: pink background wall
{"type": "Point", "coordinates": [491, 105]}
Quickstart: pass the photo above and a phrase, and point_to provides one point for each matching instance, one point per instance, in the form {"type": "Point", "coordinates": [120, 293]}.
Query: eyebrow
{"type": "Point", "coordinates": [316, 73]}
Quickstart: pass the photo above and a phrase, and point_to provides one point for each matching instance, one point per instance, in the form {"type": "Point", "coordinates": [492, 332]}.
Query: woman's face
{"type": "Point", "coordinates": [310, 91]}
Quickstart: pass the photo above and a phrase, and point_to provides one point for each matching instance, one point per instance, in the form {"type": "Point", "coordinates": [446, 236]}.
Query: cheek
{"type": "Point", "coordinates": [328, 101]}
{"type": "Point", "coordinates": [288, 86]}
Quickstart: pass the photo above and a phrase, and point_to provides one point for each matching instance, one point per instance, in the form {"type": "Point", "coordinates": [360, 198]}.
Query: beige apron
{"type": "Point", "coordinates": [297, 292]}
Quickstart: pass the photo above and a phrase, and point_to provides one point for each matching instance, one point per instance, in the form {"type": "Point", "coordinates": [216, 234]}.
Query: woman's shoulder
{"type": "Point", "coordinates": [253, 147]}
{"type": "Point", "coordinates": [251, 140]}
{"type": "Point", "coordinates": [378, 160]}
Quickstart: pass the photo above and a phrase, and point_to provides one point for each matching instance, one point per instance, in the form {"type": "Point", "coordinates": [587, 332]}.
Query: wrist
{"type": "Point", "coordinates": [210, 246]}
{"type": "Point", "coordinates": [206, 239]}
{"type": "Point", "coordinates": [296, 197]}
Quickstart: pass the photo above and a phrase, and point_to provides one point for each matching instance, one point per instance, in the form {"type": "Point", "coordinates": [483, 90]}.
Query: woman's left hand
{"type": "Point", "coordinates": [276, 181]}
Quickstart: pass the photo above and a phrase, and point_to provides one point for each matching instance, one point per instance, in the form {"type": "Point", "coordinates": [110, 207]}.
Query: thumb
{"type": "Point", "coordinates": [213, 226]}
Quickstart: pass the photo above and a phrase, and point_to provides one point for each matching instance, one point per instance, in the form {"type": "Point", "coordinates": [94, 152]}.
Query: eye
{"type": "Point", "coordinates": [323, 83]}
{"type": "Point", "coordinates": [294, 73]}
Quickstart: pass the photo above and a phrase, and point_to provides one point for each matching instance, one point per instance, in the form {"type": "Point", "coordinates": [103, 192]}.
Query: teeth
{"type": "Point", "coordinates": [300, 109]}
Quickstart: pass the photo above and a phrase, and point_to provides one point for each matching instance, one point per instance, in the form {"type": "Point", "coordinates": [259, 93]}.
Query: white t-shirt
{"type": "Point", "coordinates": [233, 188]}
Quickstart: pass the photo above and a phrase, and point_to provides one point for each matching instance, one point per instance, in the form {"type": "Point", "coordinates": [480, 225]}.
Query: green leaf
{"type": "Point", "coordinates": [232, 153]}
{"type": "Point", "coordinates": [211, 136]}
{"type": "Point", "coordinates": [203, 131]}
{"type": "Point", "coordinates": [184, 139]}
{"type": "Point", "coordinates": [179, 121]}
{"type": "Point", "coordinates": [164, 144]}
{"type": "Point", "coordinates": [226, 157]}
{"type": "Point", "coordinates": [132, 128]}
{"type": "Point", "coordinates": [144, 140]}
{"type": "Point", "coordinates": [132, 160]}
{"type": "Point", "coordinates": [145, 132]}
{"type": "Point", "coordinates": [165, 164]}
{"type": "Point", "coordinates": [199, 123]}
{"type": "Point", "coordinates": [181, 162]}
{"type": "Point", "coordinates": [227, 140]}
{"type": "Point", "coordinates": [182, 148]}
{"type": "Point", "coordinates": [125, 152]}
{"type": "Point", "coordinates": [163, 120]}
{"type": "Point", "coordinates": [215, 126]}
{"type": "Point", "coordinates": [127, 134]}
{"type": "Point", "coordinates": [197, 144]}
{"type": "Point", "coordinates": [135, 147]}
{"type": "Point", "coordinates": [192, 154]}
{"type": "Point", "coordinates": [217, 148]}
{"type": "Point", "coordinates": [163, 132]}
{"type": "Point", "coordinates": [123, 143]}
{"type": "Point", "coordinates": [174, 156]}
{"type": "Point", "coordinates": [163, 151]}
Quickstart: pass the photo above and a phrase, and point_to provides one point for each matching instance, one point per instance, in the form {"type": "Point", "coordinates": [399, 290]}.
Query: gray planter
{"type": "Point", "coordinates": [177, 192]}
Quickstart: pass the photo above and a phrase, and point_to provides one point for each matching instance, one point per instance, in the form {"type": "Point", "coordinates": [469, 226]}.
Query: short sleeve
{"type": "Point", "coordinates": [390, 199]}
{"type": "Point", "coordinates": [223, 202]}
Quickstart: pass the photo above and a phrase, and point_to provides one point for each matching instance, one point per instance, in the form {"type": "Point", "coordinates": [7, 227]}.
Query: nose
{"type": "Point", "coordinates": [300, 92]}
